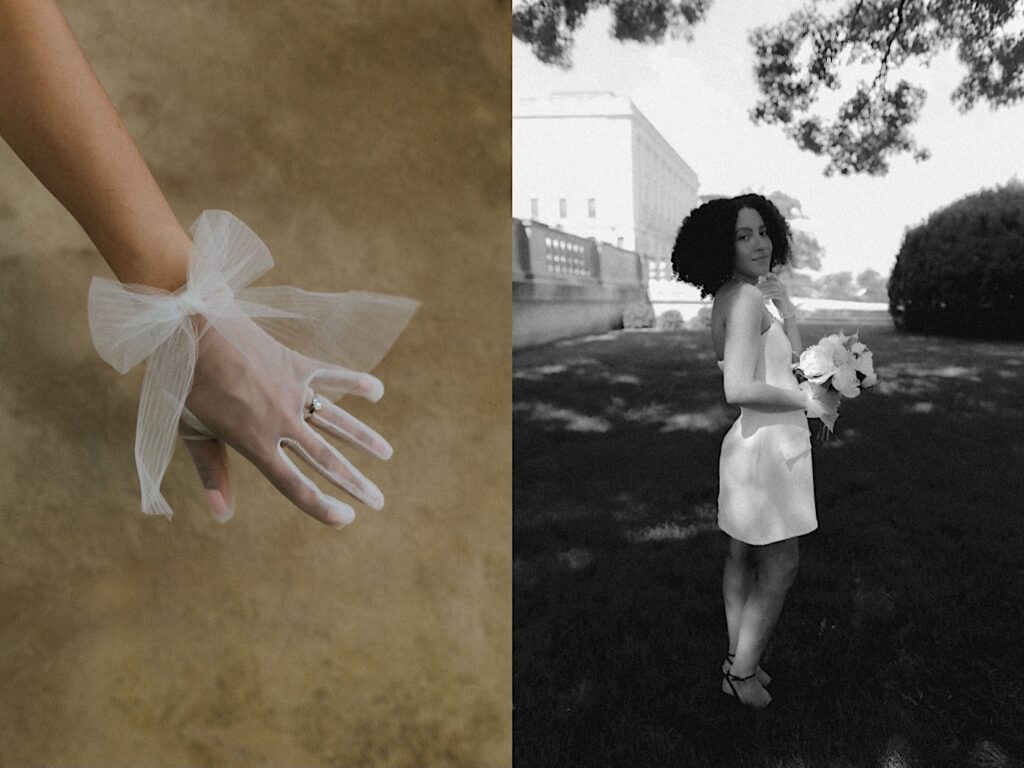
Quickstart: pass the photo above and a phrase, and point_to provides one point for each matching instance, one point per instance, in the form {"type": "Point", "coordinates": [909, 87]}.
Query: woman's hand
{"type": "Point", "coordinates": [220, 377]}
{"type": "Point", "coordinates": [773, 288]}
{"type": "Point", "coordinates": [256, 398]}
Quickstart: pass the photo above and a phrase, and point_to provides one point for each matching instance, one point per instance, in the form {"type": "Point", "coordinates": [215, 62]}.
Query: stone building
{"type": "Point", "coordinates": [591, 164]}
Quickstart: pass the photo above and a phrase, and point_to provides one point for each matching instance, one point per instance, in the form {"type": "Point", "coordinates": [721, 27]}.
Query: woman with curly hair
{"type": "Point", "coordinates": [727, 248]}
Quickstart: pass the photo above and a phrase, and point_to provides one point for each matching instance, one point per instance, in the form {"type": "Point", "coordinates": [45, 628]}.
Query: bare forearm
{"type": "Point", "coordinates": [58, 119]}
{"type": "Point", "coordinates": [792, 328]}
{"type": "Point", "coordinates": [765, 397]}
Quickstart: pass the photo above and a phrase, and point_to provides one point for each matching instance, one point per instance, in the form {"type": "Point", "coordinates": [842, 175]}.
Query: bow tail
{"type": "Point", "coordinates": [353, 329]}
{"type": "Point", "coordinates": [165, 386]}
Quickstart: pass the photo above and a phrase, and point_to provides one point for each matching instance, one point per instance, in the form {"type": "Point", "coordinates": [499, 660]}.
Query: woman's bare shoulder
{"type": "Point", "coordinates": [732, 296]}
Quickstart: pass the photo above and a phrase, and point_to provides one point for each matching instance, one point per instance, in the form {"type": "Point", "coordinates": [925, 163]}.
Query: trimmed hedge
{"type": "Point", "coordinates": [961, 273]}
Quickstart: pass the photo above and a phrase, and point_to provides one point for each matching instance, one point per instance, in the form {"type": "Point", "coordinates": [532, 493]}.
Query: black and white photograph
{"type": "Point", "coordinates": [768, 383]}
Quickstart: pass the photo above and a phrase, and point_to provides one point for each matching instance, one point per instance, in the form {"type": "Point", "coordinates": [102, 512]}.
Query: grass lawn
{"type": "Point", "coordinates": [900, 643]}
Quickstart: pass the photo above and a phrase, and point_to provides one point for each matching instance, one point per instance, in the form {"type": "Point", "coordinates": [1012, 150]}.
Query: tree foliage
{"type": "Point", "coordinates": [872, 286]}
{"type": "Point", "coordinates": [807, 252]}
{"type": "Point", "coordinates": [961, 273]}
{"type": "Point", "coordinates": [804, 56]}
{"type": "Point", "coordinates": [869, 285]}
{"type": "Point", "coordinates": [788, 206]}
{"type": "Point", "coordinates": [548, 26]}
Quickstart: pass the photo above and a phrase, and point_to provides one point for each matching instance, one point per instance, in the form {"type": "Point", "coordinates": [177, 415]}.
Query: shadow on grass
{"type": "Point", "coordinates": [898, 642]}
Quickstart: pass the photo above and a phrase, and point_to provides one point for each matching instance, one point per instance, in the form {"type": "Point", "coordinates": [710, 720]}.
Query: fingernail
{"type": "Point", "coordinates": [372, 388]}
{"type": "Point", "coordinates": [339, 515]}
{"type": "Point", "coordinates": [374, 498]}
{"type": "Point", "coordinates": [219, 506]}
{"type": "Point", "coordinates": [383, 448]}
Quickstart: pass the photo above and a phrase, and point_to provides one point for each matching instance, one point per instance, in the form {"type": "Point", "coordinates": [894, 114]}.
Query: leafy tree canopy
{"type": "Point", "coordinates": [788, 206]}
{"type": "Point", "coordinates": [801, 58]}
{"type": "Point", "coordinates": [807, 251]}
{"type": "Point", "coordinates": [873, 286]}
{"type": "Point", "coordinates": [548, 26]}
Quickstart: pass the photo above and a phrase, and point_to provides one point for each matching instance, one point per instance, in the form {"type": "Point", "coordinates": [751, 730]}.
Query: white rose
{"type": "Point", "coordinates": [845, 382]}
{"type": "Point", "coordinates": [864, 364]}
{"type": "Point", "coordinates": [816, 363]}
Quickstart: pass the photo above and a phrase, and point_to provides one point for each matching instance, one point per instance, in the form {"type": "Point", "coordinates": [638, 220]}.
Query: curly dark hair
{"type": "Point", "coordinates": [706, 242]}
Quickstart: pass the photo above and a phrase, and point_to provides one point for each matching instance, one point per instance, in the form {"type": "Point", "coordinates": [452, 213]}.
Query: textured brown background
{"type": "Point", "coordinates": [368, 144]}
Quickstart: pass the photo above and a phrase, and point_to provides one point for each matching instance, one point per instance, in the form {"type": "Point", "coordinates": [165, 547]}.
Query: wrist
{"type": "Point", "coordinates": [156, 256]}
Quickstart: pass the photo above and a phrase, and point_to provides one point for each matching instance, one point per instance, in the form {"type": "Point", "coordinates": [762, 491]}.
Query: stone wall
{"type": "Point", "coordinates": [564, 285]}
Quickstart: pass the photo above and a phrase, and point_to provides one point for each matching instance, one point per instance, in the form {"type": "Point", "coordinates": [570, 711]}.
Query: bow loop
{"type": "Point", "coordinates": [128, 322]}
{"type": "Point", "coordinates": [225, 248]}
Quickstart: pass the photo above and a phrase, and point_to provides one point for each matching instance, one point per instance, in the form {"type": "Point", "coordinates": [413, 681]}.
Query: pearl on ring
{"type": "Point", "coordinates": [314, 406]}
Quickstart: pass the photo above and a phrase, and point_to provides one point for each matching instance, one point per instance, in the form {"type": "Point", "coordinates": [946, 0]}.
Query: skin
{"type": "Point", "coordinates": [58, 119]}
{"type": "Point", "coordinates": [756, 578]}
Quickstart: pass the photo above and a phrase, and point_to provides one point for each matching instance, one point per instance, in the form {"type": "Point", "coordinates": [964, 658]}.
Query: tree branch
{"type": "Point", "coordinates": [883, 68]}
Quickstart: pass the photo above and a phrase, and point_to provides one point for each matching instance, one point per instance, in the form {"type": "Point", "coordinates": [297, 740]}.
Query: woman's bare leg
{"type": "Point", "coordinates": [776, 568]}
{"type": "Point", "coordinates": [738, 578]}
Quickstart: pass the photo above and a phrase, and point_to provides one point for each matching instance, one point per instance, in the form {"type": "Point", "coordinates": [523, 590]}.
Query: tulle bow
{"type": "Point", "coordinates": [132, 323]}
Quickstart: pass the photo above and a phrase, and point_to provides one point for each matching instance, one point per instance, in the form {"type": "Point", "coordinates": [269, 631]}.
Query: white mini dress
{"type": "Point", "coordinates": [766, 486]}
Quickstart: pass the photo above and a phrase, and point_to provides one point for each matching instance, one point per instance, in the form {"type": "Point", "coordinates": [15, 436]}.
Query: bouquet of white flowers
{"type": "Point", "coordinates": [837, 366]}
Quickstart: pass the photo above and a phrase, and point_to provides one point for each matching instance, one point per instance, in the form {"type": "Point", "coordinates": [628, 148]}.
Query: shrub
{"type": "Point", "coordinates": [672, 320]}
{"type": "Point", "coordinates": [701, 321]}
{"type": "Point", "coordinates": [961, 272]}
{"type": "Point", "coordinates": [638, 315]}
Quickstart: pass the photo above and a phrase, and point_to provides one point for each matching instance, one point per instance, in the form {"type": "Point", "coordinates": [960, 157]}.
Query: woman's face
{"type": "Point", "coordinates": [753, 246]}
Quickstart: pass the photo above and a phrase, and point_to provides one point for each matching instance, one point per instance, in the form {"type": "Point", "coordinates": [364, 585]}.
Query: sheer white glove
{"type": "Point", "coordinates": [221, 349]}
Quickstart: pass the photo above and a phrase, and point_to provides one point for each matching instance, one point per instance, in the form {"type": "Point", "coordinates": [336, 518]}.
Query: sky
{"type": "Point", "coordinates": [698, 93]}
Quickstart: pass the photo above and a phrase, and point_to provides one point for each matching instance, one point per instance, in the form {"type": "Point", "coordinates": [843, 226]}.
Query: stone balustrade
{"type": "Point", "coordinates": [564, 285]}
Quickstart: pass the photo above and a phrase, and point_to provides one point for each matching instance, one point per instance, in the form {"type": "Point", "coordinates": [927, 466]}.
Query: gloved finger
{"type": "Point", "coordinates": [303, 493]}
{"type": "Point", "coordinates": [333, 420]}
{"type": "Point", "coordinates": [211, 459]}
{"type": "Point", "coordinates": [191, 428]}
{"type": "Point", "coordinates": [326, 460]}
{"type": "Point", "coordinates": [335, 381]}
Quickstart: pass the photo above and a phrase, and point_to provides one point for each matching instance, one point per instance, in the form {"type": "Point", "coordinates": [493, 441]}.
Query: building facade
{"type": "Point", "coordinates": [593, 165]}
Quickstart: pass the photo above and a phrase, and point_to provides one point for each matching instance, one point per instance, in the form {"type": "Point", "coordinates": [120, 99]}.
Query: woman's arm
{"type": "Point", "coordinates": [246, 390]}
{"type": "Point", "coordinates": [60, 122]}
{"type": "Point", "coordinates": [774, 289]}
{"type": "Point", "coordinates": [742, 350]}
{"type": "Point", "coordinates": [792, 328]}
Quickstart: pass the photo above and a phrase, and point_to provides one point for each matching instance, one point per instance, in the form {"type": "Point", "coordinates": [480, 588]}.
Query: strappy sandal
{"type": "Point", "coordinates": [762, 677]}
{"type": "Point", "coordinates": [730, 679]}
